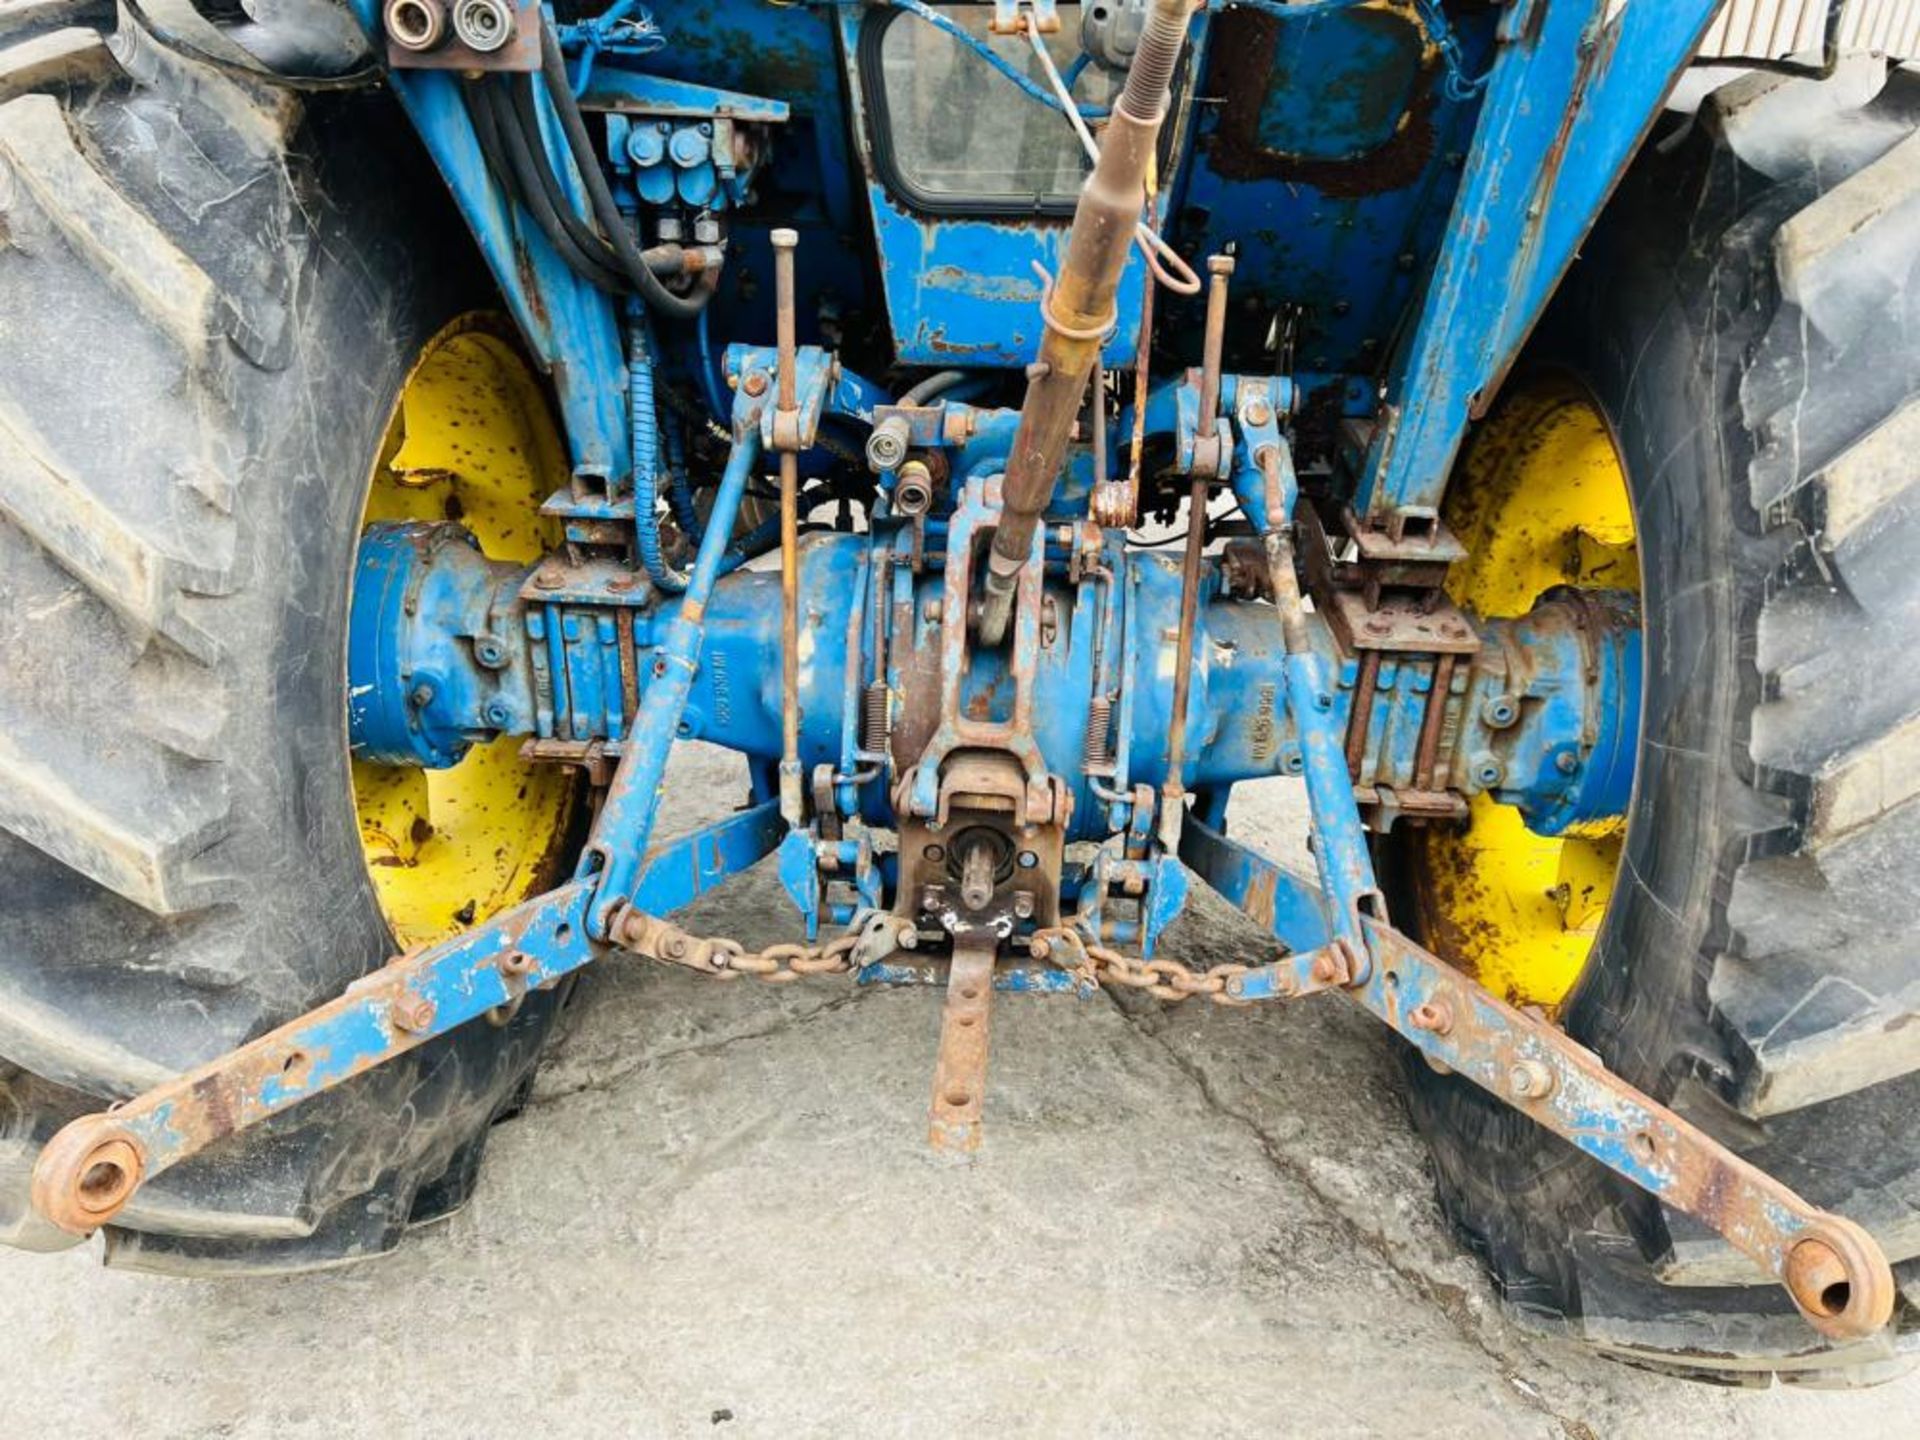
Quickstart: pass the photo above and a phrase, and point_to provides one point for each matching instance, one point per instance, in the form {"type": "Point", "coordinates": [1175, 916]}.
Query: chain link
{"type": "Point", "coordinates": [1095, 964]}
{"type": "Point", "coordinates": [727, 959]}
{"type": "Point", "coordinates": [1087, 961]}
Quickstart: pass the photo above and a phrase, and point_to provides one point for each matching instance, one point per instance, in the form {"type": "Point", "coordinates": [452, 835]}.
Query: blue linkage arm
{"type": "Point", "coordinates": [615, 849]}
{"type": "Point", "coordinates": [1267, 492]}
{"type": "Point", "coordinates": [433, 990]}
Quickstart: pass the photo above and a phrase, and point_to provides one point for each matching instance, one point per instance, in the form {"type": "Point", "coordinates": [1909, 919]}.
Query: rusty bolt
{"type": "Point", "coordinates": [1453, 629]}
{"type": "Point", "coordinates": [1529, 1080]}
{"type": "Point", "coordinates": [673, 947]}
{"type": "Point", "coordinates": [516, 962]}
{"type": "Point", "coordinates": [545, 579]}
{"type": "Point", "coordinates": [1258, 412]}
{"type": "Point", "coordinates": [1566, 762]}
{"type": "Point", "coordinates": [755, 383]}
{"type": "Point", "coordinates": [410, 1012]}
{"type": "Point", "coordinates": [1326, 969]}
{"type": "Point", "coordinates": [1378, 625]}
{"type": "Point", "coordinates": [1434, 1015]}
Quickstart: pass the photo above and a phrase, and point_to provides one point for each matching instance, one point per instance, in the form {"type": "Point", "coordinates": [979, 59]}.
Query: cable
{"type": "Point", "coordinates": [357, 79]}
{"type": "Point", "coordinates": [560, 92]}
{"type": "Point", "coordinates": [679, 488]}
{"type": "Point", "coordinates": [710, 388]}
{"type": "Point", "coordinates": [1153, 249]}
{"type": "Point", "coordinates": [987, 53]}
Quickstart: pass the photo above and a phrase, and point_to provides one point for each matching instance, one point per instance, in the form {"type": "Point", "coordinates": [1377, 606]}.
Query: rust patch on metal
{"type": "Point", "coordinates": [209, 1101]}
{"type": "Point", "coordinates": [1241, 70]}
{"type": "Point", "coordinates": [960, 1075]}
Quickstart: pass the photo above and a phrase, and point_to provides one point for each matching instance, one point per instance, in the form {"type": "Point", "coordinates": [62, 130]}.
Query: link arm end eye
{"type": "Point", "coordinates": [1840, 1279]}
{"type": "Point", "coordinates": [87, 1173]}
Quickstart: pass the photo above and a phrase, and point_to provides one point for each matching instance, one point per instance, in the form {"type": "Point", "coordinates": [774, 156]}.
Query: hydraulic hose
{"type": "Point", "coordinates": [583, 235]}
{"type": "Point", "coordinates": [516, 155]}
{"type": "Point", "coordinates": [679, 489]}
{"type": "Point", "coordinates": [644, 421]}
{"type": "Point", "coordinates": [504, 146]}
{"type": "Point", "coordinates": [937, 383]}
{"type": "Point", "coordinates": [658, 297]}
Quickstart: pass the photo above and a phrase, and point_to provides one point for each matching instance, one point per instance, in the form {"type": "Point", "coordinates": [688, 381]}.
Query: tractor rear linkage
{"type": "Point", "coordinates": [1382, 665]}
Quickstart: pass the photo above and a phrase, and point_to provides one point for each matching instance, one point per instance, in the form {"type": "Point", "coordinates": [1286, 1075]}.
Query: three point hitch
{"type": "Point", "coordinates": [994, 680]}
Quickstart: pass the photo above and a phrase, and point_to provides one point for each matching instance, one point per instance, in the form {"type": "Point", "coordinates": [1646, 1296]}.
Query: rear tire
{"type": "Point", "coordinates": [204, 320]}
{"type": "Point", "coordinates": [1747, 315]}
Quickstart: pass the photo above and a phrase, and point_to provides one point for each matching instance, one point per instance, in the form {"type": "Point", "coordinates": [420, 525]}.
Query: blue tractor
{"type": "Point", "coordinates": [1010, 426]}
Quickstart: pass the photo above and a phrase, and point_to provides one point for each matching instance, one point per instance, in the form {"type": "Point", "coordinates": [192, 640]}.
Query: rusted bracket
{"type": "Point", "coordinates": [960, 1074]}
{"type": "Point", "coordinates": [1295, 976]}
{"type": "Point", "coordinates": [1833, 1269]}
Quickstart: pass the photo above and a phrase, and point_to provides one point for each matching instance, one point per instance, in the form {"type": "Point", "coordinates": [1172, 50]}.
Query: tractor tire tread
{"type": "Point", "coordinates": [178, 864]}
{"type": "Point", "coordinates": [1763, 989]}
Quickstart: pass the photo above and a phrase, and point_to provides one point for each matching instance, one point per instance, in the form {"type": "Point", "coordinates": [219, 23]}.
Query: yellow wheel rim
{"type": "Point", "coordinates": [470, 439]}
{"type": "Point", "coordinates": [1540, 500]}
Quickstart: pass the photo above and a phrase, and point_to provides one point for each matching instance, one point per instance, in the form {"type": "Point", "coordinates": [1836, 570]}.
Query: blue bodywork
{"type": "Point", "coordinates": [1353, 154]}
{"type": "Point", "coordinates": [1341, 140]}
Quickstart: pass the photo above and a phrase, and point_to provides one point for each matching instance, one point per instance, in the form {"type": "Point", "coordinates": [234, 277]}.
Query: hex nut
{"type": "Point", "coordinates": [411, 1012]}
{"type": "Point", "coordinates": [1529, 1080]}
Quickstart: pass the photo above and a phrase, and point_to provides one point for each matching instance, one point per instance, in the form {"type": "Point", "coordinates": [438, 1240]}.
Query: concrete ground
{"type": "Point", "coordinates": [719, 1216]}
